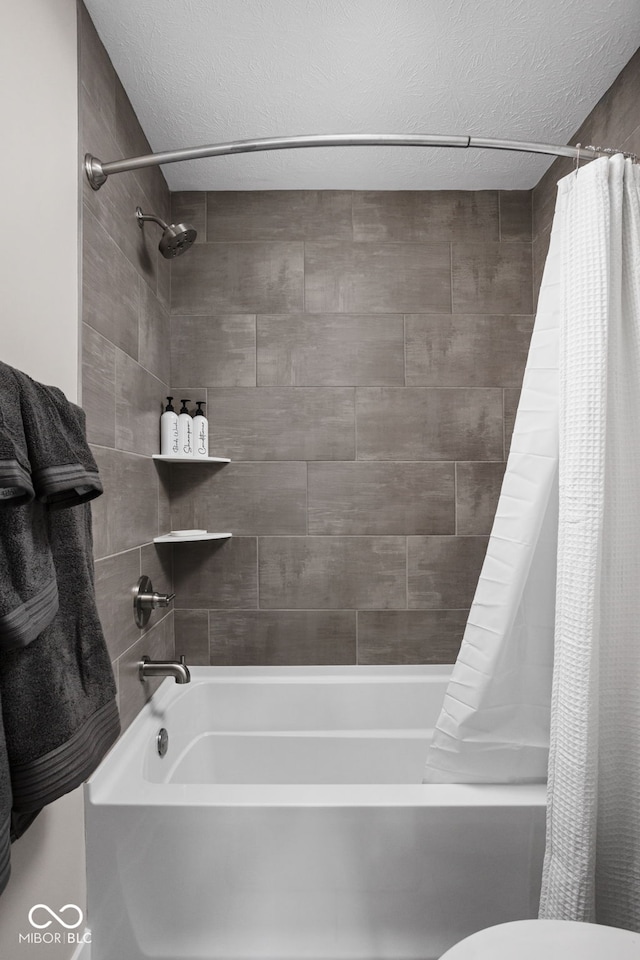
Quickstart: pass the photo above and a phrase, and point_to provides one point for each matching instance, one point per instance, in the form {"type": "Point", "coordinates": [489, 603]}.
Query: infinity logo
{"type": "Point", "coordinates": [47, 923]}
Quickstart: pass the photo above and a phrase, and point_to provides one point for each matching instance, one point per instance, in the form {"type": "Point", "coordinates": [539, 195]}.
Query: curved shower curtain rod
{"type": "Point", "coordinates": [97, 171]}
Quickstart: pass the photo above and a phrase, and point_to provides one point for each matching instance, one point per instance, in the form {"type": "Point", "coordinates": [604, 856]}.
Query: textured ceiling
{"type": "Point", "coordinates": [206, 71]}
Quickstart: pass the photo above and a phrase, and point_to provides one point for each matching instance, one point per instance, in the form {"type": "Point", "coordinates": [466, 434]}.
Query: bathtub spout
{"type": "Point", "coordinates": [177, 669]}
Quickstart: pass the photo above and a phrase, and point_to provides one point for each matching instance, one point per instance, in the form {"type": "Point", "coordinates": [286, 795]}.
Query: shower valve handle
{"type": "Point", "coordinates": [146, 599]}
{"type": "Point", "coordinates": [153, 600]}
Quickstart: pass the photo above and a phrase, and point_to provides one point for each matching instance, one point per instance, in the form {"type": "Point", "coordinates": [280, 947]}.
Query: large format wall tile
{"type": "Point", "coordinates": [114, 578]}
{"type": "Point", "coordinates": [491, 278]}
{"type": "Point", "coordinates": [192, 636]}
{"type": "Point", "coordinates": [282, 637]}
{"type": "Point", "coordinates": [246, 499]}
{"type": "Point", "coordinates": [97, 138]}
{"type": "Point", "coordinates": [214, 351]}
{"type": "Point", "coordinates": [515, 214]}
{"type": "Point", "coordinates": [469, 351]}
{"type": "Point", "coordinates": [99, 387]}
{"type": "Point", "coordinates": [377, 278]}
{"type": "Point", "coordinates": [330, 350]}
{"type": "Point", "coordinates": [154, 334]}
{"type": "Point", "coordinates": [279, 215]}
{"type": "Point", "coordinates": [139, 397]}
{"type": "Point", "coordinates": [511, 401]}
{"type": "Point", "coordinates": [425, 215]}
{"type": "Point", "coordinates": [109, 287]}
{"type": "Point", "coordinates": [213, 574]}
{"type": "Point", "coordinates": [190, 206]}
{"type": "Point", "coordinates": [277, 423]}
{"type": "Point", "coordinates": [540, 250]}
{"type": "Point", "coordinates": [332, 572]}
{"type": "Point", "coordinates": [156, 562]}
{"type": "Point", "coordinates": [115, 207]}
{"type": "Point", "coordinates": [477, 492]}
{"type": "Point", "coordinates": [381, 498]}
{"type": "Point", "coordinates": [428, 423]}
{"type": "Point", "coordinates": [126, 515]}
{"type": "Point", "coordinates": [96, 72]}
{"type": "Point", "coordinates": [410, 636]}
{"type": "Point", "coordinates": [260, 277]}
{"type": "Point", "coordinates": [443, 572]}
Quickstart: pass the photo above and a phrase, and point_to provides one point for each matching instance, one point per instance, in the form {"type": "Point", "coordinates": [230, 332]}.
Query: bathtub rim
{"type": "Point", "coordinates": [119, 780]}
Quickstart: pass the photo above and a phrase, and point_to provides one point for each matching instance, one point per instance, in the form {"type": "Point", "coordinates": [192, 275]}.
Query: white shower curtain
{"type": "Point", "coordinates": [494, 725]}
{"type": "Point", "coordinates": [592, 863]}
{"type": "Point", "coordinates": [495, 720]}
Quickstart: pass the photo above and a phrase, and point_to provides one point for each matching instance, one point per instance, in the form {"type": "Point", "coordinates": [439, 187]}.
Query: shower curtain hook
{"type": "Point", "coordinates": [578, 148]}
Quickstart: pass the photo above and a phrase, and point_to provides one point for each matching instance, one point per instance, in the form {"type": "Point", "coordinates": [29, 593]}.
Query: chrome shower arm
{"type": "Point", "coordinates": [141, 217]}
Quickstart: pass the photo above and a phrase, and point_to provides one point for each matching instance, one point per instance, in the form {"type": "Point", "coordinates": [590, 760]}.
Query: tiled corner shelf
{"type": "Point", "coordinates": [169, 538]}
{"type": "Point", "coordinates": [160, 456]}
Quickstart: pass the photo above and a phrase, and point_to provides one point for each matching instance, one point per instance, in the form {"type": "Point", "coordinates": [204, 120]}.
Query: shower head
{"type": "Point", "coordinates": [176, 237]}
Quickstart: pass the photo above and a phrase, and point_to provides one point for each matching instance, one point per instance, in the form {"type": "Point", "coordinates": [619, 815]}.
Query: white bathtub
{"type": "Point", "coordinates": [288, 821]}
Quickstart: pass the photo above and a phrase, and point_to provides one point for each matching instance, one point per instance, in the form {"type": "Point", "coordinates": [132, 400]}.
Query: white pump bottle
{"type": "Point", "coordinates": [169, 445]}
{"type": "Point", "coordinates": [185, 431]}
{"type": "Point", "coordinates": [200, 432]}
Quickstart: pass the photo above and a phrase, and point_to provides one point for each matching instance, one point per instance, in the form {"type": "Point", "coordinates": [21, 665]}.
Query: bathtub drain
{"type": "Point", "coordinates": [162, 741]}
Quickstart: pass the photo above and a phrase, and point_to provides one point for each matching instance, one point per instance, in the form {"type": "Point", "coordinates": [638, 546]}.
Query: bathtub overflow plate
{"type": "Point", "coordinates": [162, 741]}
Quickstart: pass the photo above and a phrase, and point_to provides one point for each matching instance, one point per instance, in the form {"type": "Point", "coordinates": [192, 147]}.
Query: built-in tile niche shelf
{"type": "Point", "coordinates": [160, 456]}
{"type": "Point", "coordinates": [191, 538]}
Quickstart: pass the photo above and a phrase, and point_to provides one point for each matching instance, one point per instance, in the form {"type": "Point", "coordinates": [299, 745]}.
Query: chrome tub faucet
{"type": "Point", "coordinates": [177, 669]}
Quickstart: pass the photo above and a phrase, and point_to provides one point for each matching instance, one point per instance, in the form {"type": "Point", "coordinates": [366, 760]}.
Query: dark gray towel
{"type": "Point", "coordinates": [63, 470]}
{"type": "Point", "coordinates": [28, 589]}
{"type": "Point", "coordinates": [16, 485]}
{"type": "Point", "coordinates": [57, 690]}
{"type": "Point", "coordinates": [43, 452]}
{"type": "Point", "coordinates": [28, 586]}
{"type": "Point", "coordinates": [58, 693]}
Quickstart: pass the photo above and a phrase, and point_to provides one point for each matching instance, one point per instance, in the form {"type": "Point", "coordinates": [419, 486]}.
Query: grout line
{"type": "Point", "coordinates": [451, 274]}
{"type": "Point", "coordinates": [121, 553]}
{"type": "Point", "coordinates": [499, 215]}
{"type": "Point", "coordinates": [504, 429]}
{"type": "Point", "coordinates": [353, 230]}
{"type": "Point", "coordinates": [139, 314]}
{"type": "Point", "coordinates": [404, 346]}
{"type": "Point", "coordinates": [255, 348]}
{"type": "Point", "coordinates": [355, 426]}
{"type": "Point", "coordinates": [257, 607]}
{"type": "Point", "coordinates": [455, 488]}
{"type": "Point", "coordinates": [267, 611]}
{"type": "Point", "coordinates": [406, 573]}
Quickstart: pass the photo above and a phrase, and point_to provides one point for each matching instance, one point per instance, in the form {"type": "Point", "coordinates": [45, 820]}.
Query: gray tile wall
{"type": "Point", "coordinates": [361, 354]}
{"type": "Point", "coordinates": [125, 369]}
{"type": "Point", "coordinates": [614, 122]}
